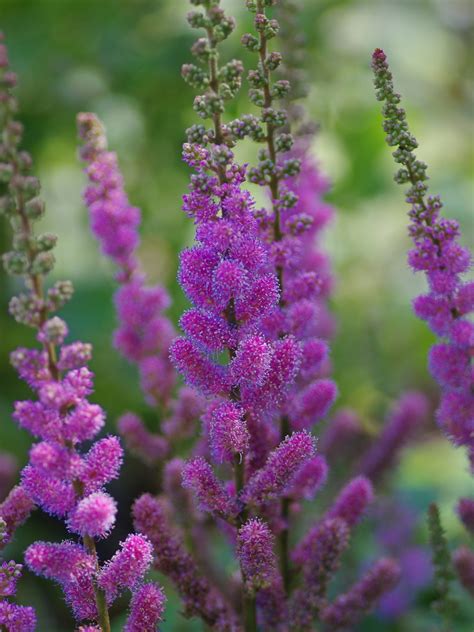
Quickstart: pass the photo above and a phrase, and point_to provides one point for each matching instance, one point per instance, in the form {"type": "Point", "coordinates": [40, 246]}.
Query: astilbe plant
{"type": "Point", "coordinates": [61, 479]}
{"type": "Point", "coordinates": [253, 349]}
{"type": "Point", "coordinates": [254, 355]}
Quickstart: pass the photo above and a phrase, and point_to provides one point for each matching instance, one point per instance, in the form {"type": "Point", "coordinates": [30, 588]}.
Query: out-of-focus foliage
{"type": "Point", "coordinates": [122, 59]}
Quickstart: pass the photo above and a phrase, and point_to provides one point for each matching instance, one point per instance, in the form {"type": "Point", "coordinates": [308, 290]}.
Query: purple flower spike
{"type": "Point", "coordinates": [14, 510]}
{"type": "Point", "coordinates": [319, 565]}
{"type": "Point", "coordinates": [152, 517]}
{"type": "Point", "coordinates": [127, 567]}
{"type": "Point", "coordinates": [55, 495]}
{"type": "Point", "coordinates": [56, 561]}
{"type": "Point", "coordinates": [252, 361]}
{"type": "Point", "coordinates": [146, 609]}
{"type": "Point", "coordinates": [199, 476]}
{"type": "Point", "coordinates": [308, 480]}
{"type": "Point", "coordinates": [149, 447]}
{"type": "Point", "coordinates": [438, 253]}
{"type": "Point", "coordinates": [269, 482]}
{"type": "Point", "coordinates": [102, 463]}
{"type": "Point", "coordinates": [313, 403]}
{"type": "Point", "coordinates": [199, 371]}
{"type": "Point", "coordinates": [72, 567]}
{"type": "Point", "coordinates": [363, 596]}
{"type": "Point", "coordinates": [228, 433]}
{"type": "Point", "coordinates": [255, 544]}
{"type": "Point", "coordinates": [349, 506]}
{"type": "Point", "coordinates": [352, 501]}
{"type": "Point", "coordinates": [406, 417]}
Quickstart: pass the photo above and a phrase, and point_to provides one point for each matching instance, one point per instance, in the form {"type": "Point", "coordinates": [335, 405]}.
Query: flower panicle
{"type": "Point", "coordinates": [404, 420]}
{"type": "Point", "coordinates": [363, 596]}
{"type": "Point", "coordinates": [437, 252]}
{"type": "Point", "coordinates": [144, 333]}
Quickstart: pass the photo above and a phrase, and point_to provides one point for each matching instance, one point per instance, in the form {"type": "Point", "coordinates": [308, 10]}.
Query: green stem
{"type": "Point", "coordinates": [102, 610]}
{"type": "Point", "coordinates": [283, 539]}
{"type": "Point", "coordinates": [250, 613]}
{"type": "Point", "coordinates": [89, 544]}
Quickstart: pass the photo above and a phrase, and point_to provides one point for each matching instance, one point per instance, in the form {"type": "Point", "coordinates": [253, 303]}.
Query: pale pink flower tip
{"type": "Point", "coordinates": [94, 515]}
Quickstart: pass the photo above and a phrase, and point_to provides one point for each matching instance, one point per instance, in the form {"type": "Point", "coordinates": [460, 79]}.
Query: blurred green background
{"type": "Point", "coordinates": [122, 59]}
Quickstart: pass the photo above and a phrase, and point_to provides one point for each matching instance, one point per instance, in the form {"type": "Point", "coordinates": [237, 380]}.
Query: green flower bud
{"type": "Point", "coordinates": [28, 185]}
{"type": "Point", "coordinates": [194, 76]}
{"type": "Point", "coordinates": [201, 49]}
{"type": "Point", "coordinates": [250, 42]}
{"type": "Point", "coordinates": [23, 242]}
{"type": "Point", "coordinates": [256, 78]}
{"type": "Point", "coordinates": [34, 209]}
{"type": "Point", "coordinates": [46, 241]}
{"type": "Point", "coordinates": [43, 263]}
{"type": "Point", "coordinates": [280, 89]}
{"type": "Point", "coordinates": [59, 295]}
{"type": "Point", "coordinates": [223, 27]}
{"type": "Point", "coordinates": [277, 118]}
{"type": "Point", "coordinates": [257, 97]}
{"type": "Point", "coordinates": [197, 134]}
{"type": "Point", "coordinates": [291, 167]}
{"type": "Point", "coordinates": [196, 19]}
{"type": "Point", "coordinates": [15, 262]}
{"type": "Point", "coordinates": [24, 161]}
{"type": "Point", "coordinates": [54, 331]}
{"type": "Point", "coordinates": [7, 205]}
{"type": "Point", "coordinates": [6, 172]}
{"type": "Point", "coordinates": [26, 309]}
{"type": "Point", "coordinates": [284, 142]}
{"type": "Point", "coordinates": [13, 133]}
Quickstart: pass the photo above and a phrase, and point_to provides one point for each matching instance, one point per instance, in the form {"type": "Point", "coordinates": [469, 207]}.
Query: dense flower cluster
{"type": "Point", "coordinates": [12, 616]}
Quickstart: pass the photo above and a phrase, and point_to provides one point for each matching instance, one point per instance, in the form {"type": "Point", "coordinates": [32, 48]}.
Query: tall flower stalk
{"type": "Point", "coordinates": [447, 308]}
{"type": "Point", "coordinates": [437, 252]}
{"type": "Point", "coordinates": [244, 345]}
{"type": "Point", "coordinates": [290, 226]}
{"type": "Point", "coordinates": [60, 478]}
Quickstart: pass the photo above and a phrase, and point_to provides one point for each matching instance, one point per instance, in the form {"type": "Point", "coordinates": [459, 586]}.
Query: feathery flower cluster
{"type": "Point", "coordinates": [408, 413]}
{"type": "Point", "coordinates": [329, 541]}
{"type": "Point", "coordinates": [13, 617]}
{"type": "Point", "coordinates": [349, 506]}
{"type": "Point", "coordinates": [360, 599]}
{"type": "Point", "coordinates": [59, 478]}
{"type": "Point", "coordinates": [153, 516]}
{"type": "Point", "coordinates": [144, 333]}
{"type": "Point", "coordinates": [437, 252]}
